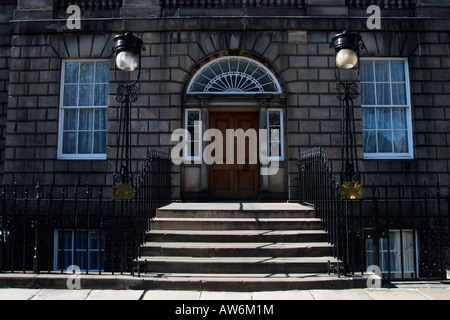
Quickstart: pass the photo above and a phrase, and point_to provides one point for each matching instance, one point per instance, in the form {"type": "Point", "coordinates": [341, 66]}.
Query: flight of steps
{"type": "Point", "coordinates": [238, 247]}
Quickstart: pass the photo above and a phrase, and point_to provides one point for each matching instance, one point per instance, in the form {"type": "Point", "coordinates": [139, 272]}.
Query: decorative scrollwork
{"type": "Point", "coordinates": [124, 176]}
{"type": "Point", "coordinates": [133, 90]}
{"type": "Point", "coordinates": [347, 90]}
{"type": "Point", "coordinates": [127, 93]}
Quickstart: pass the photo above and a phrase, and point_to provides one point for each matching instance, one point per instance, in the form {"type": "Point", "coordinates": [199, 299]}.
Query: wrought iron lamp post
{"type": "Point", "coordinates": [128, 51]}
{"type": "Point", "coordinates": [346, 49]}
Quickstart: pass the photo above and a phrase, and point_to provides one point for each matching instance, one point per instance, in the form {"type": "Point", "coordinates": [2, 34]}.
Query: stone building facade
{"type": "Point", "coordinates": [288, 40]}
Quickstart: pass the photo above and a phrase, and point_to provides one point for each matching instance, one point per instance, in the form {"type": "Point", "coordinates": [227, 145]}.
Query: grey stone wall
{"type": "Point", "coordinates": [6, 13]}
{"type": "Point", "coordinates": [298, 49]}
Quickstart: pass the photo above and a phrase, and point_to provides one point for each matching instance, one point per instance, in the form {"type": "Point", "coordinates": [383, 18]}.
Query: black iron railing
{"type": "Point", "coordinates": [50, 228]}
{"type": "Point", "coordinates": [402, 229]}
{"type": "Point", "coordinates": [383, 4]}
{"type": "Point", "coordinates": [89, 4]}
{"type": "Point", "coordinates": [232, 4]}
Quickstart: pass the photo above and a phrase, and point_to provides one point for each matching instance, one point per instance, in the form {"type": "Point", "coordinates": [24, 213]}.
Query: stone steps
{"type": "Point", "coordinates": [236, 236]}
{"type": "Point", "coordinates": [272, 265]}
{"type": "Point", "coordinates": [238, 246]}
{"type": "Point", "coordinates": [239, 249]}
{"type": "Point", "coordinates": [236, 210]}
{"type": "Point", "coordinates": [249, 282]}
{"type": "Point", "coordinates": [235, 224]}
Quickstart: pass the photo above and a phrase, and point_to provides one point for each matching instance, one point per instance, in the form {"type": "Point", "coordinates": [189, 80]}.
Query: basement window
{"type": "Point", "coordinates": [398, 254]}
{"type": "Point", "coordinates": [81, 248]}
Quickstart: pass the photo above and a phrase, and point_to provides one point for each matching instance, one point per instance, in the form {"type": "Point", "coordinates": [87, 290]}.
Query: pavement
{"type": "Point", "coordinates": [392, 291]}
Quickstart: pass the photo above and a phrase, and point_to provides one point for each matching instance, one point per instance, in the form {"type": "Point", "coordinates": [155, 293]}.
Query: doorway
{"type": "Point", "coordinates": [234, 181]}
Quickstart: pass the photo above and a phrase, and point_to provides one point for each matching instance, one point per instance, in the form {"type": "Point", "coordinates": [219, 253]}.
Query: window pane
{"type": "Point", "coordinates": [70, 142]}
{"type": "Point", "coordinates": [93, 260]}
{"type": "Point", "coordinates": [400, 141]}
{"type": "Point", "coordinates": [408, 240]}
{"type": "Point", "coordinates": [100, 119]}
{"type": "Point", "coordinates": [81, 240]}
{"type": "Point", "coordinates": [86, 95]}
{"type": "Point", "coordinates": [100, 142]}
{"type": "Point", "coordinates": [382, 71]}
{"type": "Point", "coordinates": [370, 141]}
{"type": "Point", "coordinates": [102, 72]}
{"type": "Point", "coordinates": [398, 70]}
{"type": "Point", "coordinates": [368, 94]}
{"type": "Point", "coordinates": [384, 141]}
{"type": "Point", "coordinates": [383, 94]}
{"type": "Point", "coordinates": [193, 116]}
{"type": "Point", "coordinates": [71, 119]}
{"type": "Point", "coordinates": [85, 142]}
{"type": "Point", "coordinates": [195, 152]}
{"type": "Point", "coordinates": [274, 118]}
{"type": "Point", "coordinates": [399, 118]}
{"type": "Point", "coordinates": [369, 118]}
{"type": "Point", "coordinates": [67, 240]}
{"type": "Point", "coordinates": [384, 118]}
{"type": "Point", "coordinates": [87, 72]}
{"type": "Point", "coordinates": [367, 70]}
{"type": "Point", "coordinates": [101, 95]}
{"type": "Point", "coordinates": [394, 240]}
{"type": "Point", "coordinates": [399, 94]}
{"type": "Point", "coordinates": [274, 134]}
{"type": "Point", "coordinates": [70, 95]}
{"type": "Point", "coordinates": [71, 72]}
{"type": "Point", "coordinates": [81, 259]}
{"type": "Point", "coordinates": [86, 119]}
{"type": "Point", "coordinates": [67, 259]}
{"type": "Point", "coordinates": [93, 240]}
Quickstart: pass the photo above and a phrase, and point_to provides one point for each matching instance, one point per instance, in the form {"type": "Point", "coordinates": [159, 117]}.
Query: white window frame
{"type": "Point", "coordinates": [78, 156]}
{"type": "Point", "coordinates": [189, 157]}
{"type": "Point", "coordinates": [281, 156]}
{"type": "Point", "coordinates": [56, 251]}
{"type": "Point", "coordinates": [388, 156]}
{"type": "Point", "coordinates": [384, 252]}
{"type": "Point", "coordinates": [230, 85]}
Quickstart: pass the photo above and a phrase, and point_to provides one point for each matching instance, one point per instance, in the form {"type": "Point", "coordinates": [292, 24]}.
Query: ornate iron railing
{"type": "Point", "coordinates": [49, 228]}
{"type": "Point", "coordinates": [89, 4]}
{"type": "Point", "coordinates": [383, 4]}
{"type": "Point", "coordinates": [232, 3]}
{"type": "Point", "coordinates": [403, 229]}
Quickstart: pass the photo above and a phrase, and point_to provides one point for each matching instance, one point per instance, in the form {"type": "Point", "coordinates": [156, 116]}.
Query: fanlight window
{"type": "Point", "coordinates": [234, 75]}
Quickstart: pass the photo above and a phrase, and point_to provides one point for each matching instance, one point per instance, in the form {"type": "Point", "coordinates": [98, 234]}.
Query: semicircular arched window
{"type": "Point", "coordinates": [234, 75]}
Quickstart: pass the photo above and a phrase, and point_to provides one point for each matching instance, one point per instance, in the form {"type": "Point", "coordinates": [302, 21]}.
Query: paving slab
{"type": "Point", "coordinates": [171, 295]}
{"type": "Point", "coordinates": [115, 295]}
{"type": "Point", "coordinates": [436, 293]}
{"type": "Point", "coordinates": [214, 295]}
{"type": "Point", "coordinates": [53, 294]}
{"type": "Point", "coordinates": [350, 294]}
{"type": "Point", "coordinates": [396, 294]}
{"type": "Point", "coordinates": [283, 295]}
{"type": "Point", "coordinates": [18, 294]}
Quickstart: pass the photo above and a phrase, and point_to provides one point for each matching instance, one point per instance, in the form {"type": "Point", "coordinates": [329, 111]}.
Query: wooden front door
{"type": "Point", "coordinates": [235, 181]}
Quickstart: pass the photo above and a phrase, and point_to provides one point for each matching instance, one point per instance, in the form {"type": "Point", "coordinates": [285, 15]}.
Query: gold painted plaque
{"type": "Point", "coordinates": [122, 192]}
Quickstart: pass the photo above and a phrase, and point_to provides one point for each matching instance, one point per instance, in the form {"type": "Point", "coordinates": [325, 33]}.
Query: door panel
{"type": "Point", "coordinates": [236, 181]}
